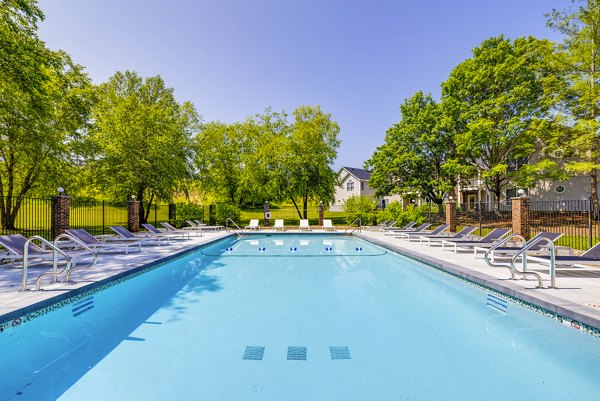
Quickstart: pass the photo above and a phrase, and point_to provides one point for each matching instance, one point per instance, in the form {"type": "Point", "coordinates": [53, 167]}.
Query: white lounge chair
{"type": "Point", "coordinates": [127, 235]}
{"type": "Point", "coordinates": [327, 225]}
{"type": "Point", "coordinates": [173, 229]}
{"type": "Point", "coordinates": [304, 225]}
{"type": "Point", "coordinates": [167, 234]}
{"type": "Point", "coordinates": [279, 225]}
{"type": "Point", "coordinates": [253, 225]}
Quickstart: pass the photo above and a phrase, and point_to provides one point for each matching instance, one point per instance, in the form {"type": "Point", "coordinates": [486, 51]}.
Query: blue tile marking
{"type": "Point", "coordinates": [339, 352]}
{"type": "Point", "coordinates": [254, 353]}
{"type": "Point", "coordinates": [296, 354]}
{"type": "Point", "coordinates": [501, 305]}
{"type": "Point", "coordinates": [83, 306]}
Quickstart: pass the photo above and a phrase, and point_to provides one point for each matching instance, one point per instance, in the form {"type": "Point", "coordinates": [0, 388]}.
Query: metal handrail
{"type": "Point", "coordinates": [81, 244]}
{"type": "Point", "coordinates": [358, 227]}
{"type": "Point", "coordinates": [55, 252]}
{"type": "Point", "coordinates": [498, 245]}
{"type": "Point", "coordinates": [523, 255]}
{"type": "Point", "coordinates": [241, 233]}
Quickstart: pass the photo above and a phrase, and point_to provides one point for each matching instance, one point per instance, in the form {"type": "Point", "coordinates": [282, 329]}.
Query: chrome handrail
{"type": "Point", "coordinates": [498, 245]}
{"type": "Point", "coordinates": [358, 227]}
{"type": "Point", "coordinates": [55, 252]}
{"type": "Point", "coordinates": [81, 244]}
{"type": "Point", "coordinates": [523, 255]}
{"type": "Point", "coordinates": [241, 233]}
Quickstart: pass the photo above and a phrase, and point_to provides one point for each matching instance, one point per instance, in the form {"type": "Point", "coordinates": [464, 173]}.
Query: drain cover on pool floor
{"type": "Point", "coordinates": [254, 353]}
{"type": "Point", "coordinates": [339, 352]}
{"type": "Point", "coordinates": [296, 354]}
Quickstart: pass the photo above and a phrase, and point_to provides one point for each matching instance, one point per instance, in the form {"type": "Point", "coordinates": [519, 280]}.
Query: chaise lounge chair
{"type": "Point", "coordinates": [169, 234]}
{"type": "Point", "coordinates": [421, 228]}
{"type": "Point", "coordinates": [92, 242]}
{"type": "Point", "coordinates": [253, 225]}
{"type": "Point", "coordinates": [589, 257]}
{"type": "Point", "coordinates": [411, 235]}
{"type": "Point", "coordinates": [203, 226]}
{"type": "Point", "coordinates": [511, 250]}
{"type": "Point", "coordinates": [172, 229]}
{"type": "Point", "coordinates": [127, 235]}
{"type": "Point", "coordinates": [437, 239]}
{"type": "Point", "coordinates": [15, 247]}
{"type": "Point", "coordinates": [328, 226]}
{"type": "Point", "coordinates": [465, 244]}
{"type": "Point", "coordinates": [278, 225]}
{"type": "Point", "coordinates": [304, 226]}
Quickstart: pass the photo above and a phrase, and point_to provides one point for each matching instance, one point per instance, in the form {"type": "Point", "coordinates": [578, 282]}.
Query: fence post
{"type": "Point", "coordinates": [133, 215]}
{"type": "Point", "coordinates": [211, 214]}
{"type": "Point", "coordinates": [60, 207]}
{"type": "Point", "coordinates": [590, 224]}
{"type": "Point", "coordinates": [479, 215]}
{"type": "Point", "coordinates": [321, 213]}
{"type": "Point", "coordinates": [451, 215]}
{"type": "Point", "coordinates": [103, 218]}
{"type": "Point", "coordinates": [520, 217]}
{"type": "Point", "coordinates": [173, 212]}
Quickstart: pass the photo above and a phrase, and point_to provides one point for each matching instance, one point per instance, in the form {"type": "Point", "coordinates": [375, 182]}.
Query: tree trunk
{"type": "Point", "coordinates": [305, 201]}
{"type": "Point", "coordinates": [297, 208]}
{"type": "Point", "coordinates": [147, 213]}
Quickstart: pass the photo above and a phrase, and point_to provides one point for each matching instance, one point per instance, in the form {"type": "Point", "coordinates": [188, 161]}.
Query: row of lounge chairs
{"type": "Point", "coordinates": [304, 225]}
{"type": "Point", "coordinates": [463, 241]}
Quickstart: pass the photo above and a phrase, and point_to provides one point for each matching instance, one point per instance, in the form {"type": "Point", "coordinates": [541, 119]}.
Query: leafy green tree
{"type": "Point", "coordinates": [141, 140]}
{"type": "Point", "coordinates": [307, 159]}
{"type": "Point", "coordinates": [360, 207]}
{"type": "Point", "coordinates": [44, 105]}
{"type": "Point", "coordinates": [495, 100]}
{"type": "Point", "coordinates": [417, 153]}
{"type": "Point", "coordinates": [575, 90]}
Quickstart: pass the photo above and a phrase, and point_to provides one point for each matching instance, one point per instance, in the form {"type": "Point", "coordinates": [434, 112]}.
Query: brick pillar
{"type": "Point", "coordinates": [173, 212]}
{"type": "Point", "coordinates": [60, 206]}
{"type": "Point", "coordinates": [321, 212]}
{"type": "Point", "coordinates": [520, 217]}
{"type": "Point", "coordinates": [267, 214]}
{"type": "Point", "coordinates": [451, 215]}
{"type": "Point", "coordinates": [133, 216]}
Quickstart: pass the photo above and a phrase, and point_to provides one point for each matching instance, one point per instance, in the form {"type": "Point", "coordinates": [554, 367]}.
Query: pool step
{"type": "Point", "coordinates": [83, 306]}
{"type": "Point", "coordinates": [295, 353]}
{"type": "Point", "coordinates": [499, 304]}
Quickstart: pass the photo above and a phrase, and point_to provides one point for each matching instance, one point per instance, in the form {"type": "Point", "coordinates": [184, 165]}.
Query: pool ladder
{"type": "Point", "coordinates": [240, 232]}
{"type": "Point", "coordinates": [523, 254]}
{"type": "Point", "coordinates": [69, 268]}
{"type": "Point", "coordinates": [358, 227]}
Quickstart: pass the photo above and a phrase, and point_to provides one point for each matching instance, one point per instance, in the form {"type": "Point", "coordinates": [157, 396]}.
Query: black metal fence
{"type": "Point", "coordinates": [485, 216]}
{"type": "Point", "coordinates": [578, 220]}
{"type": "Point", "coordinates": [32, 218]}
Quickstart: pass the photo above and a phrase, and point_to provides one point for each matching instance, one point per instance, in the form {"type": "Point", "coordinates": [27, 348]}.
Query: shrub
{"type": "Point", "coordinates": [403, 216]}
{"type": "Point", "coordinates": [360, 207]}
{"type": "Point", "coordinates": [187, 211]}
{"type": "Point", "coordinates": [224, 211]}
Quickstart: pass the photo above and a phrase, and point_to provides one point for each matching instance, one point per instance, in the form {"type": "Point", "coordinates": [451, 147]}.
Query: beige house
{"type": "Point", "coordinates": [355, 182]}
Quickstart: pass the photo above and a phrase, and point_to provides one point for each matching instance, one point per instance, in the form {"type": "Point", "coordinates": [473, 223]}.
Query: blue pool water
{"type": "Point", "coordinates": [353, 322]}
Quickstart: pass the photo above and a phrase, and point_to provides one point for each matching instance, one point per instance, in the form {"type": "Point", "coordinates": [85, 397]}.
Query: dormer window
{"type": "Point", "coordinates": [350, 185]}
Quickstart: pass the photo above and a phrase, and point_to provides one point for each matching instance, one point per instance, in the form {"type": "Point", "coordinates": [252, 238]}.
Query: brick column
{"type": "Point", "coordinates": [173, 213]}
{"type": "Point", "coordinates": [451, 215]}
{"type": "Point", "coordinates": [520, 217]}
{"type": "Point", "coordinates": [60, 206]}
{"type": "Point", "coordinates": [133, 216]}
{"type": "Point", "coordinates": [321, 212]}
{"type": "Point", "coordinates": [266, 212]}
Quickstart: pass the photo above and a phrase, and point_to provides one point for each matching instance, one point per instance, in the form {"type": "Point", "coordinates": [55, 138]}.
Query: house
{"type": "Point", "coordinates": [355, 182]}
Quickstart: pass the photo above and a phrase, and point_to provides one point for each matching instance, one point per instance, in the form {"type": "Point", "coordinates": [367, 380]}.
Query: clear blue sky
{"type": "Point", "coordinates": [232, 58]}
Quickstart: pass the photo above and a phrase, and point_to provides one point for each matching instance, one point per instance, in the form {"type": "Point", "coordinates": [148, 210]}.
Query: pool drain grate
{"type": "Point", "coordinates": [254, 353]}
{"type": "Point", "coordinates": [83, 306]}
{"type": "Point", "coordinates": [296, 354]}
{"type": "Point", "coordinates": [497, 303]}
{"type": "Point", "coordinates": [338, 352]}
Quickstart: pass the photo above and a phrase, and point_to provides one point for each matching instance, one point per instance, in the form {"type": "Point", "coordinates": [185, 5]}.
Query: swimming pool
{"type": "Point", "coordinates": [288, 317]}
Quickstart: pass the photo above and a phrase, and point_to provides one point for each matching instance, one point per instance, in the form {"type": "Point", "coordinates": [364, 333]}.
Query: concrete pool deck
{"type": "Point", "coordinates": [577, 296]}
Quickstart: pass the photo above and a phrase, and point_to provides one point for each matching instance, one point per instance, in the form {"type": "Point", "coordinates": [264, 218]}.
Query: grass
{"type": "Point", "coordinates": [290, 216]}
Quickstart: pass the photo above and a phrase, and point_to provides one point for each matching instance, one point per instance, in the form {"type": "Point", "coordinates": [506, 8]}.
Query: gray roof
{"type": "Point", "coordinates": [359, 173]}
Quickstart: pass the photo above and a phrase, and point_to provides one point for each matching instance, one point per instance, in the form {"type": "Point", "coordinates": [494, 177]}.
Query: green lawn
{"type": "Point", "coordinates": [290, 216]}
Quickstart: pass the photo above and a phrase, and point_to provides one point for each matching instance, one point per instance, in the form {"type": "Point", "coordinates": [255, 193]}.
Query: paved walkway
{"type": "Point", "coordinates": [577, 295]}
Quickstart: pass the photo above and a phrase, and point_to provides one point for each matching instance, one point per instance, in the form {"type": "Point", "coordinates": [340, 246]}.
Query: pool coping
{"type": "Point", "coordinates": [562, 310]}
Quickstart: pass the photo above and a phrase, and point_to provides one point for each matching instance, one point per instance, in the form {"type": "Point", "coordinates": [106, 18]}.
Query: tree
{"type": "Point", "coordinates": [141, 140]}
{"type": "Point", "coordinates": [417, 154]}
{"type": "Point", "coordinates": [44, 105]}
{"type": "Point", "coordinates": [307, 159]}
{"type": "Point", "coordinates": [576, 90]}
{"type": "Point", "coordinates": [496, 100]}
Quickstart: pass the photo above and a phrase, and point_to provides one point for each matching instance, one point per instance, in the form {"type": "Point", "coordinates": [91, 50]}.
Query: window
{"type": "Point", "coordinates": [559, 189]}
{"type": "Point", "coordinates": [350, 186]}
{"type": "Point", "coordinates": [362, 186]}
{"type": "Point", "coordinates": [512, 193]}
